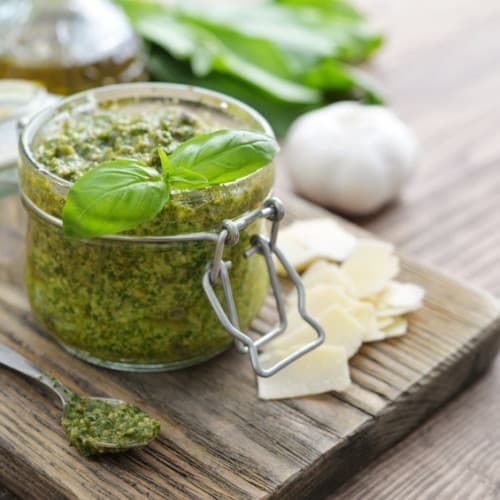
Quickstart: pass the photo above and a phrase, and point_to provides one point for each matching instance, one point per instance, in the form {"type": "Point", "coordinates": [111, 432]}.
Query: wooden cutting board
{"type": "Point", "coordinates": [218, 440]}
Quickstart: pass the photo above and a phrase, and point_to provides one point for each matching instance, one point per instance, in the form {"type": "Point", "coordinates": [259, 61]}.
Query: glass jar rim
{"type": "Point", "coordinates": [216, 100]}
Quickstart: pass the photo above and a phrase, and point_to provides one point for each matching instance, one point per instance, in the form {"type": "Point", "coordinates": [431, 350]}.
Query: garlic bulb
{"type": "Point", "coordinates": [349, 156]}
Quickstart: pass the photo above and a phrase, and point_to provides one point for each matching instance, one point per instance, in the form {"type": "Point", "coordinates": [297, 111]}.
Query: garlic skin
{"type": "Point", "coordinates": [349, 156]}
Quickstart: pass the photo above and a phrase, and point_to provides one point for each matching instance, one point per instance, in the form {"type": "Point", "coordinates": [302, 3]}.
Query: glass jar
{"type": "Point", "coordinates": [132, 302]}
{"type": "Point", "coordinates": [68, 45]}
{"type": "Point", "coordinates": [19, 99]}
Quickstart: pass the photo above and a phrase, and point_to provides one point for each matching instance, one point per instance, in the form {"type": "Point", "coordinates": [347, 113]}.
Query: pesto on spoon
{"type": "Point", "coordinates": [93, 425]}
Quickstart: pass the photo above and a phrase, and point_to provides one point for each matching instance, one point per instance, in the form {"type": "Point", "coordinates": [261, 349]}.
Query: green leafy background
{"type": "Point", "coordinates": [282, 57]}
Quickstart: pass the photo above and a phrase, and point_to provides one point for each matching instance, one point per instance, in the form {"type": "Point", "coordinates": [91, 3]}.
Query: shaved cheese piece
{"type": "Point", "coordinates": [387, 326]}
{"type": "Point", "coordinates": [327, 273]}
{"type": "Point", "coordinates": [399, 298]}
{"type": "Point", "coordinates": [382, 322]}
{"type": "Point", "coordinates": [341, 329]}
{"type": "Point", "coordinates": [318, 299]}
{"type": "Point", "coordinates": [323, 369]}
{"type": "Point", "coordinates": [350, 291]}
{"type": "Point", "coordinates": [371, 266]}
{"type": "Point", "coordinates": [396, 311]}
{"type": "Point", "coordinates": [365, 315]}
{"type": "Point", "coordinates": [297, 253]}
{"type": "Point", "coordinates": [412, 302]}
{"type": "Point", "coordinates": [326, 236]}
{"type": "Point", "coordinates": [321, 297]}
{"type": "Point", "coordinates": [397, 328]}
{"type": "Point", "coordinates": [304, 242]}
{"type": "Point", "coordinates": [374, 336]}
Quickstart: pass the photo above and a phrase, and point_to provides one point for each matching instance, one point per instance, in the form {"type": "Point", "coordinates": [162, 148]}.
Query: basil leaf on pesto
{"type": "Point", "coordinates": [225, 155]}
{"type": "Point", "coordinates": [165, 163]}
{"type": "Point", "coordinates": [113, 197]}
{"type": "Point", "coordinates": [180, 178]}
{"type": "Point", "coordinates": [122, 194]}
{"type": "Point", "coordinates": [184, 178]}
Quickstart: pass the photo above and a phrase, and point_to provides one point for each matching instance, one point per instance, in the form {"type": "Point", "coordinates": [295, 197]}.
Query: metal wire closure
{"type": "Point", "coordinates": [218, 270]}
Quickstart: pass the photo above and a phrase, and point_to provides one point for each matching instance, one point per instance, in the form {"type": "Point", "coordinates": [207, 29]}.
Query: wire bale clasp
{"type": "Point", "coordinates": [218, 270]}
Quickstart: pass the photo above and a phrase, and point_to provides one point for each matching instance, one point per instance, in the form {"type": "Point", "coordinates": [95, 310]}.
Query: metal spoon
{"type": "Point", "coordinates": [19, 363]}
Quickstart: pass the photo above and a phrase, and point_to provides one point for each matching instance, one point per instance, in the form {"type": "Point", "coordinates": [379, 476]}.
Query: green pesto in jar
{"type": "Point", "coordinates": [79, 143]}
{"type": "Point", "coordinates": [136, 305]}
{"type": "Point", "coordinates": [95, 426]}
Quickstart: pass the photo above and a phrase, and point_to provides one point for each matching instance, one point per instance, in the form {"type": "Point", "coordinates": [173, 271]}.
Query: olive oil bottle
{"type": "Point", "coordinates": [68, 45]}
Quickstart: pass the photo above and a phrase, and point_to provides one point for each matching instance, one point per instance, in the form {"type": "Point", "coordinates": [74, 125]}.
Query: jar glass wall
{"type": "Point", "coordinates": [139, 305]}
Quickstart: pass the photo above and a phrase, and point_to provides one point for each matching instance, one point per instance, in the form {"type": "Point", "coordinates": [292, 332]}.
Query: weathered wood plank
{"type": "Point", "coordinates": [217, 438]}
{"type": "Point", "coordinates": [439, 69]}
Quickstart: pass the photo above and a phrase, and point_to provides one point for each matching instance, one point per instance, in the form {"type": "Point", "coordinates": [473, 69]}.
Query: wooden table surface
{"type": "Point", "coordinates": [441, 69]}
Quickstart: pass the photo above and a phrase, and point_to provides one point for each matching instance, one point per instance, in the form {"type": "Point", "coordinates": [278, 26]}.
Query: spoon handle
{"type": "Point", "coordinates": [16, 361]}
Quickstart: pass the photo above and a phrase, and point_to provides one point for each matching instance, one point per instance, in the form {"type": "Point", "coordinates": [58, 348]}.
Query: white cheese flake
{"type": "Point", "coordinates": [323, 272]}
{"type": "Point", "coordinates": [307, 241]}
{"type": "Point", "coordinates": [350, 290]}
{"type": "Point", "coordinates": [398, 327]}
{"type": "Point", "coordinates": [324, 369]}
{"type": "Point", "coordinates": [341, 329]}
{"type": "Point", "coordinates": [399, 298]}
{"type": "Point", "coordinates": [371, 266]}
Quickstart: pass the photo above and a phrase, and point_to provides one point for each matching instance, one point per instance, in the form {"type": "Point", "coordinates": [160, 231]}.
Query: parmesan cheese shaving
{"type": "Point", "coordinates": [324, 369]}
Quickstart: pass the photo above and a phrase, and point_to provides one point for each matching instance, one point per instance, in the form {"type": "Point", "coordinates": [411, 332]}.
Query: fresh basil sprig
{"type": "Point", "coordinates": [224, 155]}
{"type": "Point", "coordinates": [113, 197]}
{"type": "Point", "coordinates": [119, 195]}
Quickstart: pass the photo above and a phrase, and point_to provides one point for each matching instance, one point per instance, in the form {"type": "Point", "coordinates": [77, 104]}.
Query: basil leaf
{"type": "Point", "coordinates": [225, 155]}
{"type": "Point", "coordinates": [113, 197]}
{"type": "Point", "coordinates": [328, 8]}
{"type": "Point", "coordinates": [183, 178]}
{"type": "Point", "coordinates": [180, 178]}
{"type": "Point", "coordinates": [174, 30]}
{"type": "Point", "coordinates": [335, 77]}
{"type": "Point", "coordinates": [265, 55]}
{"type": "Point", "coordinates": [162, 66]}
{"type": "Point", "coordinates": [122, 194]}
{"type": "Point", "coordinates": [165, 163]}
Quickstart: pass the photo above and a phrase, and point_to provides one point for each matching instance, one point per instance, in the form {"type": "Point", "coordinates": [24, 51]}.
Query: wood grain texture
{"type": "Point", "coordinates": [218, 440]}
{"type": "Point", "coordinates": [440, 68]}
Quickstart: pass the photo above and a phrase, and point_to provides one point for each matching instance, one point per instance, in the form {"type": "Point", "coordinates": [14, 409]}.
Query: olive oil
{"type": "Point", "coordinates": [68, 45]}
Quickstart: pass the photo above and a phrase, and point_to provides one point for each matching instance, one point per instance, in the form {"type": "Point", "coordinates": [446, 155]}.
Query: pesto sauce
{"type": "Point", "coordinates": [90, 424]}
{"type": "Point", "coordinates": [136, 305]}
{"type": "Point", "coordinates": [79, 143]}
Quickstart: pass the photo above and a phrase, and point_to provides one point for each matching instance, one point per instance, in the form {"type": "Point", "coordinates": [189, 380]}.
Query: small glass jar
{"type": "Point", "coordinates": [19, 99]}
{"type": "Point", "coordinates": [68, 45]}
{"type": "Point", "coordinates": [134, 303]}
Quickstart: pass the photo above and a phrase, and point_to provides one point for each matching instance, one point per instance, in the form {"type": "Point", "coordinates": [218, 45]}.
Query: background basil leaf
{"type": "Point", "coordinates": [329, 8]}
{"type": "Point", "coordinates": [163, 67]}
{"type": "Point", "coordinates": [283, 57]}
{"type": "Point", "coordinates": [113, 197]}
{"type": "Point", "coordinates": [189, 39]}
{"type": "Point", "coordinates": [336, 78]}
{"type": "Point", "coordinates": [225, 155]}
